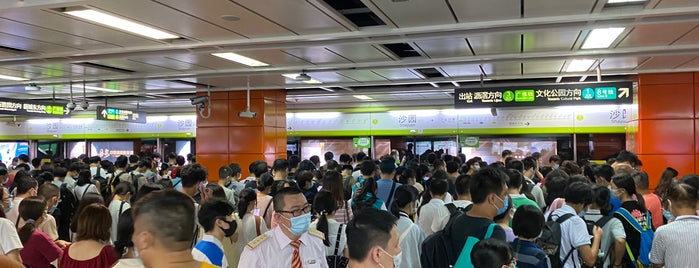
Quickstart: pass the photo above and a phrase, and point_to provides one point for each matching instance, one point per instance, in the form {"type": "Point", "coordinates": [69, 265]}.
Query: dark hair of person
{"type": "Point", "coordinates": [23, 182]}
{"type": "Point", "coordinates": [31, 209]}
{"type": "Point", "coordinates": [578, 193]}
{"type": "Point", "coordinates": [280, 164]}
{"type": "Point", "coordinates": [601, 197]}
{"type": "Point", "coordinates": [328, 156]}
{"type": "Point", "coordinates": [145, 190]}
{"type": "Point", "coordinates": [625, 156]}
{"type": "Point", "coordinates": [193, 174]}
{"type": "Point", "coordinates": [122, 188]}
{"type": "Point", "coordinates": [691, 179]}
{"type": "Point", "coordinates": [324, 204]}
{"type": "Point", "coordinates": [528, 221]}
{"type": "Point", "coordinates": [133, 159]}
{"type": "Point", "coordinates": [47, 191]}
{"type": "Point", "coordinates": [94, 223]}
{"type": "Point", "coordinates": [438, 186]}
{"type": "Point", "coordinates": [404, 195]}
{"type": "Point", "coordinates": [84, 177]}
{"type": "Point", "coordinates": [2, 208]}
{"type": "Point", "coordinates": [368, 229]}
{"type": "Point", "coordinates": [461, 185]}
{"type": "Point", "coordinates": [485, 182]}
{"type": "Point", "coordinates": [23, 166]}
{"type": "Point", "coordinates": [665, 181]}
{"type": "Point", "coordinates": [345, 158]}
{"type": "Point", "coordinates": [286, 183]}
{"type": "Point", "coordinates": [514, 178]}
{"type": "Point", "coordinates": [180, 160]}
{"type": "Point", "coordinates": [406, 175]}
{"type": "Point", "coordinates": [515, 164]}
{"type": "Point", "coordinates": [304, 177]}
{"type": "Point", "coordinates": [264, 181]}
{"type": "Point", "coordinates": [224, 172]}
{"type": "Point", "coordinates": [159, 210]}
{"type": "Point", "coordinates": [388, 165]}
{"type": "Point", "coordinates": [44, 177]}
{"type": "Point", "coordinates": [315, 159]}
{"type": "Point", "coordinates": [125, 231]}
{"type": "Point", "coordinates": [235, 169]}
{"type": "Point", "coordinates": [246, 197]}
{"type": "Point", "coordinates": [555, 158]}
{"type": "Point", "coordinates": [278, 198]}
{"type": "Point", "coordinates": [555, 188]}
{"type": "Point", "coordinates": [369, 187]}
{"type": "Point", "coordinates": [216, 190]}
{"type": "Point", "coordinates": [498, 218]}
{"type": "Point", "coordinates": [528, 162]}
{"type": "Point", "coordinates": [211, 210]}
{"type": "Point", "coordinates": [641, 179]}
{"type": "Point", "coordinates": [88, 199]}
{"type": "Point", "coordinates": [491, 253]}
{"type": "Point", "coordinates": [452, 166]}
{"type": "Point", "coordinates": [683, 194]}
{"type": "Point", "coordinates": [571, 167]}
{"type": "Point", "coordinates": [367, 167]}
{"type": "Point", "coordinates": [332, 182]}
{"type": "Point", "coordinates": [627, 183]}
{"type": "Point", "coordinates": [604, 171]}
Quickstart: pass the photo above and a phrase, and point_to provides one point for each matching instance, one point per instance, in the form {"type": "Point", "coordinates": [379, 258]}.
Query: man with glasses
{"type": "Point", "coordinates": [290, 243]}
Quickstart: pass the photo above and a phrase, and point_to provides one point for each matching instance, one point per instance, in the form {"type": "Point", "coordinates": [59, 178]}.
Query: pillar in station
{"type": "Point", "coordinates": [226, 138]}
{"type": "Point", "coordinates": [667, 129]}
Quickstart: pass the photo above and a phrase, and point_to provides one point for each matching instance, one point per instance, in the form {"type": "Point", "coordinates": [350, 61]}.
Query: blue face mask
{"type": "Point", "coordinates": [300, 224]}
{"type": "Point", "coordinates": [505, 203]}
{"type": "Point", "coordinates": [9, 207]}
{"type": "Point", "coordinates": [53, 208]}
{"type": "Point", "coordinates": [555, 166]}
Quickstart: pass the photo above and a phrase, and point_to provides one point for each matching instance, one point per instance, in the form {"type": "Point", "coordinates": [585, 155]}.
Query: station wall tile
{"type": "Point", "coordinates": [674, 136]}
{"type": "Point", "coordinates": [247, 140]}
{"type": "Point", "coordinates": [666, 78]}
{"type": "Point", "coordinates": [666, 101]}
{"type": "Point", "coordinates": [219, 115]}
{"type": "Point", "coordinates": [656, 163]}
{"type": "Point", "coordinates": [212, 140]}
{"type": "Point", "coordinates": [212, 162]}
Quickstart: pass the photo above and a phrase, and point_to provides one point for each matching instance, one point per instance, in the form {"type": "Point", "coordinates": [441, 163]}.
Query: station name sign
{"type": "Point", "coordinates": [121, 115]}
{"type": "Point", "coordinates": [545, 95]}
{"type": "Point", "coordinates": [32, 108]}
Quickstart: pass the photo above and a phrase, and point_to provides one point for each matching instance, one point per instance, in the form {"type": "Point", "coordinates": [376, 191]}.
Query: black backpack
{"type": "Point", "coordinates": [437, 249]}
{"type": "Point", "coordinates": [599, 263]}
{"type": "Point", "coordinates": [66, 210]}
{"type": "Point", "coordinates": [104, 183]}
{"type": "Point", "coordinates": [550, 240]}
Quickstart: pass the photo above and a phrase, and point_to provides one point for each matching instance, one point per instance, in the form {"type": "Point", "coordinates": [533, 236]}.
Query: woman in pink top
{"type": "Point", "coordinates": [91, 249]}
{"type": "Point", "coordinates": [39, 250]}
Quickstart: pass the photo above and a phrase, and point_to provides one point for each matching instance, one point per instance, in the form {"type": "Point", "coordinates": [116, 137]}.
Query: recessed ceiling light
{"type": "Point", "coordinates": [230, 18]}
{"type": "Point", "coordinates": [363, 97]}
{"type": "Point", "coordinates": [119, 23]}
{"type": "Point", "coordinates": [240, 59]}
{"type": "Point", "coordinates": [625, 1]}
{"type": "Point", "coordinates": [602, 38]}
{"type": "Point", "coordinates": [13, 78]}
{"type": "Point", "coordinates": [579, 65]}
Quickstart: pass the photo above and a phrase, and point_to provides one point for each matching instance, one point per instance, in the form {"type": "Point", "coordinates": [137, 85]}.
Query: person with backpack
{"type": "Point", "coordinates": [636, 220]}
{"type": "Point", "coordinates": [489, 194]}
{"type": "Point", "coordinates": [335, 241]}
{"type": "Point", "coordinates": [673, 242]}
{"type": "Point", "coordinates": [437, 189]}
{"type": "Point", "coordinates": [568, 232]}
{"type": "Point", "coordinates": [84, 185]}
{"type": "Point", "coordinates": [410, 236]}
{"type": "Point", "coordinates": [612, 245]}
{"type": "Point", "coordinates": [462, 203]}
{"type": "Point", "coordinates": [527, 225]}
{"type": "Point", "coordinates": [493, 253]}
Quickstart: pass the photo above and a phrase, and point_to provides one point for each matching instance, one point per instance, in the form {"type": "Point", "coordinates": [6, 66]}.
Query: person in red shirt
{"type": "Point", "coordinates": [653, 202]}
{"type": "Point", "coordinates": [89, 249]}
{"type": "Point", "coordinates": [39, 250]}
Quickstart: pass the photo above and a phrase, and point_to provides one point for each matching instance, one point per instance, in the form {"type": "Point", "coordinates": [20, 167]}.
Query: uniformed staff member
{"type": "Point", "coordinates": [291, 243]}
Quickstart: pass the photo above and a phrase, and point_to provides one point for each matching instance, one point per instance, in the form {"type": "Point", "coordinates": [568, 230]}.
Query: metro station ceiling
{"type": "Point", "coordinates": [399, 53]}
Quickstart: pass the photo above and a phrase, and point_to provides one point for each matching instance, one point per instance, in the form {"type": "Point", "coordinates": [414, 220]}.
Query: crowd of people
{"type": "Point", "coordinates": [400, 210]}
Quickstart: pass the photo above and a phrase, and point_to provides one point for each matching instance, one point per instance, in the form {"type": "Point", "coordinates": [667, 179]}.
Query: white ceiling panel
{"type": "Point", "coordinates": [204, 60]}
{"type": "Point", "coordinates": [676, 3]}
{"type": "Point", "coordinates": [438, 48]}
{"type": "Point", "coordinates": [541, 67]}
{"type": "Point", "coordinates": [466, 70]}
{"type": "Point", "coordinates": [502, 68]}
{"type": "Point", "coordinates": [416, 12]}
{"type": "Point", "coordinates": [549, 40]}
{"type": "Point", "coordinates": [397, 74]}
{"type": "Point", "coordinates": [479, 10]}
{"type": "Point", "coordinates": [656, 34]}
{"type": "Point", "coordinates": [362, 75]}
{"type": "Point", "coordinates": [168, 63]}
{"type": "Point", "coordinates": [18, 42]}
{"type": "Point", "coordinates": [359, 52]}
{"type": "Point", "coordinates": [249, 25]}
{"type": "Point", "coordinates": [542, 8]}
{"type": "Point", "coordinates": [316, 55]}
{"type": "Point", "coordinates": [665, 62]}
{"type": "Point", "coordinates": [43, 34]}
{"type": "Point", "coordinates": [495, 44]}
{"type": "Point", "coordinates": [296, 15]}
{"type": "Point", "coordinates": [691, 38]}
{"type": "Point", "coordinates": [133, 65]}
{"type": "Point", "coordinates": [691, 64]}
{"type": "Point", "coordinates": [625, 63]}
{"type": "Point", "coordinates": [272, 57]}
{"type": "Point", "coordinates": [330, 77]}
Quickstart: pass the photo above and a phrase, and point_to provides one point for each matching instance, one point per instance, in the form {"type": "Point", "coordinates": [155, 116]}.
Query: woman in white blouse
{"type": "Point", "coordinates": [324, 205]}
{"type": "Point", "coordinates": [410, 235]}
{"type": "Point", "coordinates": [84, 185]}
{"type": "Point", "coordinates": [250, 225]}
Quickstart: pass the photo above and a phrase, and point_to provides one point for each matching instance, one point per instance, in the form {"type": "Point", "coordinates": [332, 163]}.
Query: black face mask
{"type": "Point", "coordinates": [232, 226]}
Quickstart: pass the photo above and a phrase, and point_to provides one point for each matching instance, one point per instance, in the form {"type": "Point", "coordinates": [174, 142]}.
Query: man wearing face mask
{"type": "Point", "coordinates": [51, 194]}
{"type": "Point", "coordinates": [373, 240]}
{"type": "Point", "coordinates": [26, 186]}
{"type": "Point", "coordinates": [290, 243]}
{"type": "Point", "coordinates": [215, 216]}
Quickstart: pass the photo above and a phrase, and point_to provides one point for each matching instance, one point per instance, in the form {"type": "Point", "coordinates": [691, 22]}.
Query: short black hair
{"type": "Point", "coordinates": [180, 160]}
{"type": "Point", "coordinates": [438, 186]}
{"type": "Point", "coordinates": [641, 179]}
{"type": "Point", "coordinates": [95, 159]}
{"type": "Point", "coordinates": [133, 159]}
{"type": "Point", "coordinates": [211, 210]}
{"type": "Point", "coordinates": [528, 221]}
{"type": "Point", "coordinates": [315, 159]}
{"type": "Point", "coordinates": [121, 162]}
{"type": "Point", "coordinates": [280, 164]}
{"type": "Point", "coordinates": [388, 165]}
{"type": "Point", "coordinates": [328, 156]}
{"type": "Point", "coordinates": [368, 229]}
{"type": "Point", "coordinates": [36, 162]}
{"type": "Point", "coordinates": [258, 168]}
{"type": "Point", "coordinates": [235, 169]}
{"type": "Point", "coordinates": [367, 167]}
{"type": "Point", "coordinates": [506, 153]}
{"type": "Point", "coordinates": [485, 182]}
{"type": "Point", "coordinates": [529, 162]}
{"type": "Point", "coordinates": [145, 163]}
{"type": "Point", "coordinates": [60, 172]}
{"type": "Point", "coordinates": [578, 193]}
{"type": "Point", "coordinates": [24, 183]}
{"type": "Point", "coordinates": [332, 165]}
{"type": "Point", "coordinates": [3, 171]}
{"type": "Point", "coordinates": [192, 174]}
{"type": "Point", "coordinates": [452, 166]}
{"type": "Point", "coordinates": [514, 178]}
{"type": "Point", "coordinates": [491, 253]}
{"type": "Point", "coordinates": [604, 171]}
{"type": "Point", "coordinates": [278, 199]}
{"type": "Point", "coordinates": [555, 158]}
{"type": "Point", "coordinates": [224, 172]}
{"type": "Point", "coordinates": [159, 210]}
{"type": "Point", "coordinates": [461, 185]}
{"type": "Point", "coordinates": [23, 158]}
{"type": "Point", "coordinates": [515, 164]}
{"type": "Point", "coordinates": [345, 158]}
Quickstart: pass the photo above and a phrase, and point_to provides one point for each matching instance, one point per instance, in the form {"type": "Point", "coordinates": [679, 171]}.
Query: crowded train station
{"type": "Point", "coordinates": [349, 133]}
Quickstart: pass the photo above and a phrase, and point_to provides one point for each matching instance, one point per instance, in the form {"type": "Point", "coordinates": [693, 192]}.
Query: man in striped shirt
{"type": "Point", "coordinates": [672, 244]}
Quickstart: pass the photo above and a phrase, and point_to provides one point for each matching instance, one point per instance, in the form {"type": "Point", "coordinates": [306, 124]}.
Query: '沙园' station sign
{"type": "Point", "coordinates": [32, 108]}
{"type": "Point", "coordinates": [121, 115]}
{"type": "Point", "coordinates": [545, 95]}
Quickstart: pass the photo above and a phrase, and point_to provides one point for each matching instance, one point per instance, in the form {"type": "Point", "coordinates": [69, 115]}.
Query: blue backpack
{"type": "Point", "coordinates": [464, 260]}
{"type": "Point", "coordinates": [646, 238]}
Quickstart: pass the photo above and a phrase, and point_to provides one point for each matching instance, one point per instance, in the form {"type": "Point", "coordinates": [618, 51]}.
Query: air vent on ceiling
{"type": "Point", "coordinates": [356, 12]}
{"type": "Point", "coordinates": [104, 67]}
{"type": "Point", "coordinates": [429, 72]}
{"type": "Point", "coordinates": [403, 50]}
{"type": "Point", "coordinates": [11, 49]}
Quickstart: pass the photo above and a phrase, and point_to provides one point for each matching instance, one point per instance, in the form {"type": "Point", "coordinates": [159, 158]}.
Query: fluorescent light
{"type": "Point", "coordinates": [13, 78]}
{"type": "Point", "coordinates": [363, 97]}
{"type": "Point", "coordinates": [417, 113]}
{"type": "Point", "coordinates": [98, 88]}
{"type": "Point", "coordinates": [156, 119]}
{"type": "Point", "coordinates": [434, 84]}
{"type": "Point", "coordinates": [293, 77]}
{"type": "Point", "coordinates": [558, 79]}
{"type": "Point", "coordinates": [602, 38]}
{"type": "Point", "coordinates": [624, 1]}
{"type": "Point", "coordinates": [121, 24]}
{"type": "Point", "coordinates": [579, 65]}
{"type": "Point", "coordinates": [455, 84]}
{"type": "Point", "coordinates": [583, 78]}
{"type": "Point", "coordinates": [240, 59]}
{"type": "Point", "coordinates": [479, 111]}
{"type": "Point", "coordinates": [324, 115]}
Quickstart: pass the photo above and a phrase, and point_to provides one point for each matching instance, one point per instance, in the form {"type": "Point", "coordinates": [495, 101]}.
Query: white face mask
{"type": "Point", "coordinates": [396, 258]}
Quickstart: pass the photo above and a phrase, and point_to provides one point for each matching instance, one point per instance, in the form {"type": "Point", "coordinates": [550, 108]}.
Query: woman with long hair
{"type": "Point", "coordinates": [88, 199]}
{"type": "Point", "coordinates": [661, 189]}
{"type": "Point", "coordinates": [84, 185]}
{"type": "Point", "coordinates": [613, 234]}
{"type": "Point", "coordinates": [91, 248]}
{"type": "Point", "coordinates": [39, 250]}
{"type": "Point", "coordinates": [120, 203]}
{"type": "Point", "coordinates": [264, 200]}
{"type": "Point", "coordinates": [250, 225]}
{"type": "Point", "coordinates": [324, 206]}
{"type": "Point", "coordinates": [332, 182]}
{"type": "Point", "coordinates": [408, 177]}
{"type": "Point", "coordinates": [410, 235]}
{"type": "Point", "coordinates": [632, 208]}
{"type": "Point", "coordinates": [365, 197]}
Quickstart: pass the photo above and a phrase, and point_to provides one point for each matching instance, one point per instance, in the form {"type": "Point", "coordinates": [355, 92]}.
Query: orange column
{"type": "Point", "coordinates": [667, 123]}
{"type": "Point", "coordinates": [226, 138]}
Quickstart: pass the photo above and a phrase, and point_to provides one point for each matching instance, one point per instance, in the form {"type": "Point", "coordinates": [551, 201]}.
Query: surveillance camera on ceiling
{"type": "Point", "coordinates": [199, 100]}
{"type": "Point", "coordinates": [70, 106]}
{"type": "Point", "coordinates": [302, 77]}
{"type": "Point", "coordinates": [32, 87]}
{"type": "Point", "coordinates": [247, 114]}
{"type": "Point", "coordinates": [84, 105]}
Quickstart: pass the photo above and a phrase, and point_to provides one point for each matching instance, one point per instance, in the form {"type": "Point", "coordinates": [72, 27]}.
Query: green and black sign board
{"type": "Point", "coordinates": [122, 115]}
{"type": "Point", "coordinates": [361, 142]}
{"type": "Point", "coordinates": [32, 108]}
{"type": "Point", "coordinates": [545, 95]}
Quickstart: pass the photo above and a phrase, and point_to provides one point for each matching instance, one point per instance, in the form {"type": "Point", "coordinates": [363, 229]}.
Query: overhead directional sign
{"type": "Point", "coordinates": [545, 95]}
{"type": "Point", "coordinates": [122, 115]}
{"type": "Point", "coordinates": [32, 108]}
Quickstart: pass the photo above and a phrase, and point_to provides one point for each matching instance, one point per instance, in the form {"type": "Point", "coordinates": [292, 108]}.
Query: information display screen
{"type": "Point", "coordinates": [123, 115]}
{"type": "Point", "coordinates": [32, 108]}
{"type": "Point", "coordinates": [110, 150]}
{"type": "Point", "coordinates": [9, 150]}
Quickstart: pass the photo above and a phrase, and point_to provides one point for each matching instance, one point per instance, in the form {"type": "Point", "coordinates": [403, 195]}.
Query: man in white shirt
{"type": "Point", "coordinates": [215, 216]}
{"type": "Point", "coordinates": [463, 200]}
{"type": "Point", "coordinates": [373, 240]}
{"type": "Point", "coordinates": [290, 243]}
{"type": "Point", "coordinates": [673, 244]}
{"type": "Point", "coordinates": [531, 171]}
{"type": "Point", "coordinates": [10, 244]}
{"type": "Point", "coordinates": [438, 188]}
{"type": "Point", "coordinates": [26, 187]}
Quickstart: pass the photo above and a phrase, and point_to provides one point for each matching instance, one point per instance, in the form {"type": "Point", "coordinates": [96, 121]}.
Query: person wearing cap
{"type": "Point", "coordinates": [224, 178]}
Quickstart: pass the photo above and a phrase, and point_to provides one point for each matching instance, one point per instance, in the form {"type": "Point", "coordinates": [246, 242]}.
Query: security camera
{"type": "Point", "coordinates": [32, 87]}
{"type": "Point", "coordinates": [247, 114]}
{"type": "Point", "coordinates": [84, 105]}
{"type": "Point", "coordinates": [199, 100]}
{"type": "Point", "coordinates": [18, 124]}
{"type": "Point", "coordinates": [70, 106]}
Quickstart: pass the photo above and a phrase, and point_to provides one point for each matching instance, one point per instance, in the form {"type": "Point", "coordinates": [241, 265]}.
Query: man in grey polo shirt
{"type": "Point", "coordinates": [673, 244]}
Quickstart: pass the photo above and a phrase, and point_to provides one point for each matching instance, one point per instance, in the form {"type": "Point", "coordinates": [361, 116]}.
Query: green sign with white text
{"type": "Point", "coordinates": [361, 142]}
